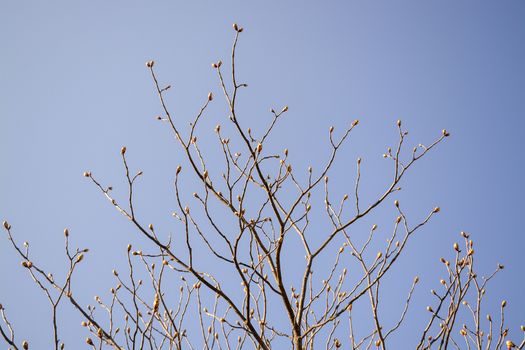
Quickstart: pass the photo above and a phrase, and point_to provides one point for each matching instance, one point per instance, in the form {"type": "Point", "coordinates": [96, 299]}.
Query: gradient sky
{"type": "Point", "coordinates": [74, 89]}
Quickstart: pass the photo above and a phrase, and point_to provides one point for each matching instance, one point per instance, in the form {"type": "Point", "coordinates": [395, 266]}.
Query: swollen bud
{"type": "Point", "coordinates": [179, 168]}
{"type": "Point", "coordinates": [123, 150]}
{"type": "Point", "coordinates": [7, 226]}
{"type": "Point", "coordinates": [510, 344]}
{"type": "Point", "coordinates": [25, 345]}
{"type": "Point", "coordinates": [210, 96]}
{"type": "Point", "coordinates": [156, 304]}
{"type": "Point", "coordinates": [150, 64]}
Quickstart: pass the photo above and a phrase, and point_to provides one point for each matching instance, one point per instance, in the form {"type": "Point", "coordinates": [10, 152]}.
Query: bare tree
{"type": "Point", "coordinates": [270, 213]}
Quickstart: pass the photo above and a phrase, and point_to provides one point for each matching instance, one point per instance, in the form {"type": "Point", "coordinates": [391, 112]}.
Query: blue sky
{"type": "Point", "coordinates": [75, 89]}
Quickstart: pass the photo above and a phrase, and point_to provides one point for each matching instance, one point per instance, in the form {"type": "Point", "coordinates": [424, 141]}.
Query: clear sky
{"type": "Point", "coordinates": [74, 89]}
